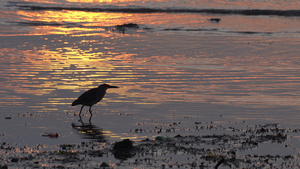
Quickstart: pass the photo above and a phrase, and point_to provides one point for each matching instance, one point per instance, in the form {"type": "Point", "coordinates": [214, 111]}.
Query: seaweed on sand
{"type": "Point", "coordinates": [191, 151]}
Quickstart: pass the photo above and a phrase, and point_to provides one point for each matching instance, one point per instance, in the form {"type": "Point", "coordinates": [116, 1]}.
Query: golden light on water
{"type": "Point", "coordinates": [70, 22]}
{"type": "Point", "coordinates": [83, 23]}
{"type": "Point", "coordinates": [78, 69]}
{"type": "Point", "coordinates": [77, 50]}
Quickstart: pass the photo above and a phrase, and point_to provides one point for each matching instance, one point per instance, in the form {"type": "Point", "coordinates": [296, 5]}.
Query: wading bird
{"type": "Point", "coordinates": [92, 96]}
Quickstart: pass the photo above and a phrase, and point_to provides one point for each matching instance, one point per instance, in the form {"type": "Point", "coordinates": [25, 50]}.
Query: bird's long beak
{"type": "Point", "coordinates": [113, 87]}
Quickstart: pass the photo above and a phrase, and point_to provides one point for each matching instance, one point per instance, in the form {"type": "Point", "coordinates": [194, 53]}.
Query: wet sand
{"type": "Point", "coordinates": [230, 145]}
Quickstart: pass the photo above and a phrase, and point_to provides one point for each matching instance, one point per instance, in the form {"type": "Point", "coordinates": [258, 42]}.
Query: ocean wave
{"type": "Point", "coordinates": [214, 30]}
{"type": "Point", "coordinates": [133, 27]}
{"type": "Point", "coordinates": [40, 23]}
{"type": "Point", "coordinates": [270, 12]}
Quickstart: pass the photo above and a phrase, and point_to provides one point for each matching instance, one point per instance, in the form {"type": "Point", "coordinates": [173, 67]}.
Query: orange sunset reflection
{"type": "Point", "coordinates": [78, 50]}
{"type": "Point", "coordinates": [76, 65]}
{"type": "Point", "coordinates": [246, 4]}
{"type": "Point", "coordinates": [82, 22]}
{"type": "Point", "coordinates": [68, 22]}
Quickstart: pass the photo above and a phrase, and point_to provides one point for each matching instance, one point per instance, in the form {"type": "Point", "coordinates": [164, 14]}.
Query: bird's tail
{"type": "Point", "coordinates": [75, 102]}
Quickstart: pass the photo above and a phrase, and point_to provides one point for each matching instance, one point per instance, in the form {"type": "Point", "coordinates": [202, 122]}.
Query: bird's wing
{"type": "Point", "coordinates": [88, 97]}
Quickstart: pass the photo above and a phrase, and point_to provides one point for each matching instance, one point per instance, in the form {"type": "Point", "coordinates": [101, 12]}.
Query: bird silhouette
{"type": "Point", "coordinates": [92, 96]}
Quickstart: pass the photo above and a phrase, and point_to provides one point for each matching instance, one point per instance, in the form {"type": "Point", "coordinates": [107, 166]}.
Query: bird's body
{"type": "Point", "coordinates": [92, 96]}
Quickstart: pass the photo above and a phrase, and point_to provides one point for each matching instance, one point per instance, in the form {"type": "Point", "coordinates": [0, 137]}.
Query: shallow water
{"type": "Point", "coordinates": [245, 68]}
{"type": "Point", "coordinates": [162, 80]}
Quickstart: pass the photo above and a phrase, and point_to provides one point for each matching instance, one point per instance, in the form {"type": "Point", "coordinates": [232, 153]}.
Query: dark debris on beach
{"type": "Point", "coordinates": [191, 151]}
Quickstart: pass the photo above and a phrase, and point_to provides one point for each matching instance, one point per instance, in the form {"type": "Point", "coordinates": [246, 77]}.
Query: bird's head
{"type": "Point", "coordinates": [106, 86]}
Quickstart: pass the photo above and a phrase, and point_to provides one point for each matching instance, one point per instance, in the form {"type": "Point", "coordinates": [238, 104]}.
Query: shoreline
{"type": "Point", "coordinates": [234, 147]}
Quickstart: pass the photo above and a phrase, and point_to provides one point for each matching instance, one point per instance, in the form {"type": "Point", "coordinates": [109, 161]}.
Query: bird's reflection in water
{"type": "Point", "coordinates": [89, 131]}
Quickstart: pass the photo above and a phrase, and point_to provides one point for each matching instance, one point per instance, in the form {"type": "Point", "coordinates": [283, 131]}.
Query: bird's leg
{"type": "Point", "coordinates": [80, 119]}
{"type": "Point", "coordinates": [81, 110]}
{"type": "Point", "coordinates": [90, 120]}
{"type": "Point", "coordinates": [91, 111]}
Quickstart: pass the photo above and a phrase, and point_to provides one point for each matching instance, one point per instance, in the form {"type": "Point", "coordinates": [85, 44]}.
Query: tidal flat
{"type": "Point", "coordinates": [230, 145]}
